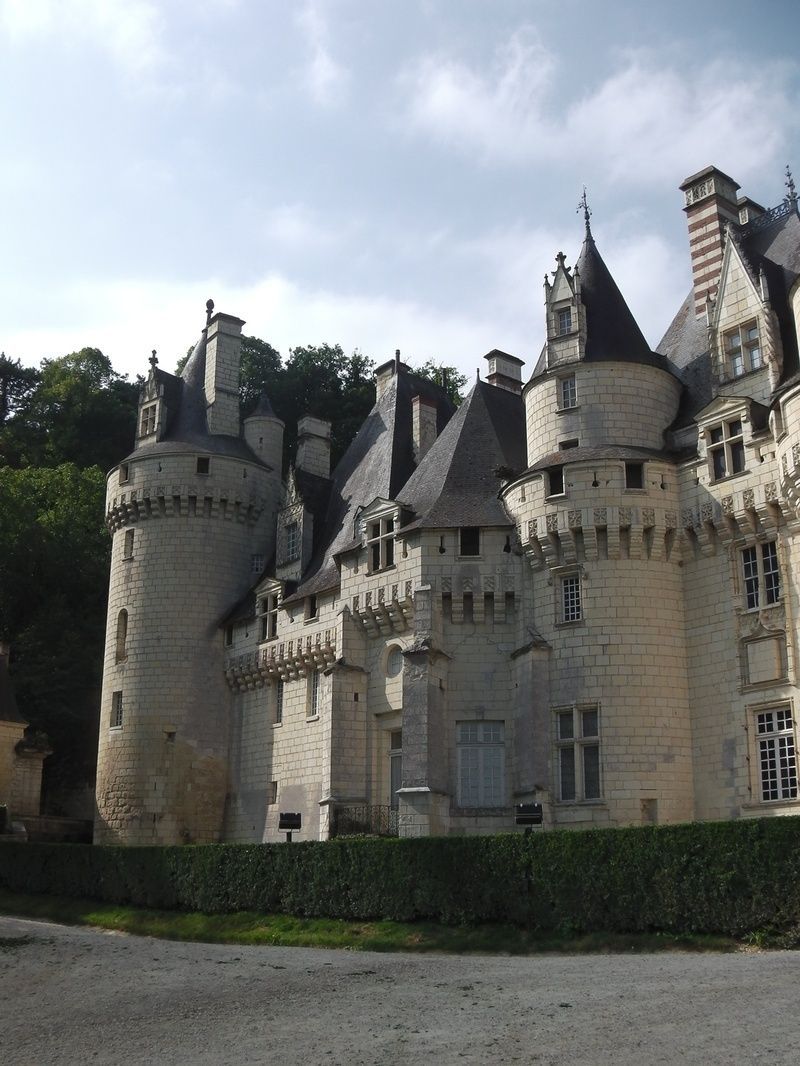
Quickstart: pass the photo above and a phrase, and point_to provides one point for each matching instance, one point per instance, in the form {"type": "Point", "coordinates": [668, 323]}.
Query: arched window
{"type": "Point", "coordinates": [122, 636]}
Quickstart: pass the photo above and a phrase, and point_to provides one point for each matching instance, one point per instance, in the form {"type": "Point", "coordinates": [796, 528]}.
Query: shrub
{"type": "Point", "coordinates": [732, 878]}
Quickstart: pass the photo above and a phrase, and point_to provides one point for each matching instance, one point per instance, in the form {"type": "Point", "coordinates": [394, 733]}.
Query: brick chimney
{"type": "Point", "coordinates": [711, 204]}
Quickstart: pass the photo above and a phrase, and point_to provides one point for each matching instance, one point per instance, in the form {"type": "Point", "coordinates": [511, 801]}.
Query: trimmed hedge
{"type": "Point", "coordinates": [713, 877]}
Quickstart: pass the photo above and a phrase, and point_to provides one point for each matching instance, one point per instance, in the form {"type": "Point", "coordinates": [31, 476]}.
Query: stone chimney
{"type": "Point", "coordinates": [711, 205]}
{"type": "Point", "coordinates": [505, 371]}
{"type": "Point", "coordinates": [423, 425]}
{"type": "Point", "coordinates": [314, 446]}
{"type": "Point", "coordinates": [385, 374]}
{"type": "Point", "coordinates": [223, 356]}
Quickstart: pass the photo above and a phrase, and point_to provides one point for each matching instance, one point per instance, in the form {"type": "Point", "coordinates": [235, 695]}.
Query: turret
{"type": "Point", "coordinates": [191, 513]}
{"type": "Point", "coordinates": [263, 431]}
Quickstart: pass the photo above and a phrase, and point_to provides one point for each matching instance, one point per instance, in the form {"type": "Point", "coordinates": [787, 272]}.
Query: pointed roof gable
{"type": "Point", "coordinates": [457, 483]}
{"type": "Point", "coordinates": [378, 463]}
{"type": "Point", "coordinates": [612, 333]}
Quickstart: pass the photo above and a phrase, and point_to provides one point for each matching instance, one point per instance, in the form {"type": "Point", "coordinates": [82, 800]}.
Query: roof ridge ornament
{"type": "Point", "coordinates": [791, 196]}
{"type": "Point", "coordinates": [209, 310]}
{"type": "Point", "coordinates": [583, 205]}
{"type": "Point", "coordinates": [153, 360]}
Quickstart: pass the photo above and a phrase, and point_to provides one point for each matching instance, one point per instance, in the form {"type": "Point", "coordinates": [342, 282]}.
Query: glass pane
{"type": "Point", "coordinates": [492, 777]}
{"type": "Point", "coordinates": [591, 772]}
{"type": "Point", "coordinates": [566, 768]}
{"type": "Point", "coordinates": [589, 723]}
{"type": "Point", "coordinates": [492, 732]}
{"type": "Point", "coordinates": [468, 733]}
{"type": "Point", "coordinates": [715, 434]}
{"type": "Point", "coordinates": [737, 457]}
{"type": "Point", "coordinates": [566, 729]}
{"type": "Point", "coordinates": [718, 460]}
{"type": "Point", "coordinates": [735, 428]}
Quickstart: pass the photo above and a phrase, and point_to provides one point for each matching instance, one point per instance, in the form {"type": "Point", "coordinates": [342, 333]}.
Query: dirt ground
{"type": "Point", "coordinates": [83, 996]}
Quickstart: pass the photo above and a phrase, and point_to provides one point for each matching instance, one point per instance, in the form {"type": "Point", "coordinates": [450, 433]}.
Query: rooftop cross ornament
{"type": "Point", "coordinates": [153, 360]}
{"type": "Point", "coordinates": [583, 205]}
{"type": "Point", "coordinates": [791, 197]}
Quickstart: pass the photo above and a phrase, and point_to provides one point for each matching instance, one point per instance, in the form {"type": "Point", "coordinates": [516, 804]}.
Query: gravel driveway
{"type": "Point", "coordinates": [83, 996]}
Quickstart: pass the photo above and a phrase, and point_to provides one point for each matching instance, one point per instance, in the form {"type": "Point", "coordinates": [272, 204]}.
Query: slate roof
{"type": "Point", "coordinates": [186, 409]}
{"type": "Point", "coordinates": [588, 455]}
{"type": "Point", "coordinates": [611, 330]}
{"type": "Point", "coordinates": [9, 711]}
{"type": "Point", "coordinates": [378, 463]}
{"type": "Point", "coordinates": [612, 334]}
{"type": "Point", "coordinates": [457, 483]}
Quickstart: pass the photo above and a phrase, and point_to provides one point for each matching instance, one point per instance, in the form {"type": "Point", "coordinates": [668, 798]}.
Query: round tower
{"type": "Point", "coordinates": [598, 511]}
{"type": "Point", "coordinates": [191, 513]}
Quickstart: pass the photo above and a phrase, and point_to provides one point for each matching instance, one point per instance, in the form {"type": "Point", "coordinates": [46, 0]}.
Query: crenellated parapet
{"type": "Point", "coordinates": [162, 500]}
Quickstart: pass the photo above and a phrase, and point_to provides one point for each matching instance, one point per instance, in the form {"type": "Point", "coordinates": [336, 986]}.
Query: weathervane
{"type": "Point", "coordinates": [791, 198]}
{"type": "Point", "coordinates": [583, 205]}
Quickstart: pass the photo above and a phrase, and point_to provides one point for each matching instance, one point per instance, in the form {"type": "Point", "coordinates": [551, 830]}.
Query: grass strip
{"type": "Point", "coordinates": [247, 928]}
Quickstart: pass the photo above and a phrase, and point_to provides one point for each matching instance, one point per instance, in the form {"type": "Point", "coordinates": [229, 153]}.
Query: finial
{"type": "Point", "coordinates": [397, 357]}
{"type": "Point", "coordinates": [791, 197]}
{"type": "Point", "coordinates": [477, 373]}
{"type": "Point", "coordinates": [561, 259]}
{"type": "Point", "coordinates": [209, 310]}
{"type": "Point", "coordinates": [583, 205]}
{"type": "Point", "coordinates": [153, 360]}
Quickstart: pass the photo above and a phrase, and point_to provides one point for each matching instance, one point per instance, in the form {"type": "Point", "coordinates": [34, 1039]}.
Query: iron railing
{"type": "Point", "coordinates": [367, 819]}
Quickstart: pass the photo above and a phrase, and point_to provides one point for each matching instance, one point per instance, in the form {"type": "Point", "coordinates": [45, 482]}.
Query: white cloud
{"type": "Point", "coordinates": [499, 113]}
{"type": "Point", "coordinates": [644, 120]}
{"type": "Point", "coordinates": [326, 80]}
{"type": "Point", "coordinates": [128, 30]}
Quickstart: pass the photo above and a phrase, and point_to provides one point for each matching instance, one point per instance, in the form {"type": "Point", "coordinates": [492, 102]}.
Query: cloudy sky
{"type": "Point", "coordinates": [379, 173]}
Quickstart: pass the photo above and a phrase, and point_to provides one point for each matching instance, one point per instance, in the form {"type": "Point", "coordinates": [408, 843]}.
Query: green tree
{"type": "Point", "coordinates": [54, 557]}
{"type": "Point", "coordinates": [451, 379]}
{"type": "Point", "coordinates": [17, 382]}
{"type": "Point", "coordinates": [80, 411]}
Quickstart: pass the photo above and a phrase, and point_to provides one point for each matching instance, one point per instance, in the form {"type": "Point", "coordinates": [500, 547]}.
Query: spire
{"type": "Point", "coordinates": [791, 196]}
{"type": "Point", "coordinates": [583, 205]}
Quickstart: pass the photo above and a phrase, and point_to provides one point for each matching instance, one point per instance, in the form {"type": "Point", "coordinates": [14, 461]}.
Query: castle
{"type": "Point", "coordinates": [578, 592]}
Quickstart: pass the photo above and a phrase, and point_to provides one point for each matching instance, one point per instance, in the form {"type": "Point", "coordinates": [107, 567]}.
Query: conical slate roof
{"type": "Point", "coordinates": [611, 330]}
{"type": "Point", "coordinates": [458, 481]}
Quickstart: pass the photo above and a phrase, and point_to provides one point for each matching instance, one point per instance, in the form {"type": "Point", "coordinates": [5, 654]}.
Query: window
{"type": "Point", "coordinates": [269, 617]}
{"type": "Point", "coordinates": [148, 422]}
{"type": "Point", "coordinates": [311, 608]}
{"type": "Point", "coordinates": [564, 317]}
{"type": "Point", "coordinates": [124, 473]}
{"type": "Point", "coordinates": [571, 598]}
{"type": "Point", "coordinates": [203, 465]}
{"type": "Point", "coordinates": [481, 764]}
{"type": "Point", "coordinates": [273, 792]}
{"type": "Point", "coordinates": [122, 636]}
{"type": "Point", "coordinates": [395, 767]}
{"type": "Point", "coordinates": [567, 392]}
{"type": "Point", "coordinates": [279, 703]}
{"type": "Point", "coordinates": [127, 547]}
{"type": "Point", "coordinates": [394, 661]}
{"type": "Point", "coordinates": [256, 563]}
{"type": "Point", "coordinates": [742, 350]}
{"type": "Point", "coordinates": [312, 709]}
{"type": "Point", "coordinates": [229, 636]}
{"type": "Point", "coordinates": [762, 578]}
{"type": "Point", "coordinates": [777, 761]}
{"type": "Point", "coordinates": [469, 540]}
{"type": "Point", "coordinates": [292, 541]}
{"type": "Point", "coordinates": [555, 481]}
{"type": "Point", "coordinates": [634, 475]}
{"type": "Point", "coordinates": [116, 710]}
{"type": "Point", "coordinates": [725, 449]}
{"type": "Point", "coordinates": [380, 543]}
{"type": "Point", "coordinates": [565, 445]}
{"type": "Point", "coordinates": [578, 753]}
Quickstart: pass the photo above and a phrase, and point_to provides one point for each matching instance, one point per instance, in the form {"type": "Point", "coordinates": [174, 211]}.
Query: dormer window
{"type": "Point", "coordinates": [726, 449]}
{"type": "Point", "coordinates": [292, 541]}
{"type": "Point", "coordinates": [148, 420]}
{"type": "Point", "coordinates": [742, 348]}
{"type": "Point", "coordinates": [269, 616]}
{"type": "Point", "coordinates": [380, 543]}
{"type": "Point", "coordinates": [564, 321]}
